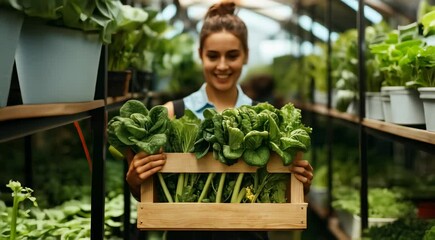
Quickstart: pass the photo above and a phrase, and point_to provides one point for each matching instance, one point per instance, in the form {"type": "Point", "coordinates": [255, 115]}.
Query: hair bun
{"type": "Point", "coordinates": [220, 9]}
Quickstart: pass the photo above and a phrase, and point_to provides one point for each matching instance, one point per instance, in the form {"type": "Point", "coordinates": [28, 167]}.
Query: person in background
{"type": "Point", "coordinates": [223, 50]}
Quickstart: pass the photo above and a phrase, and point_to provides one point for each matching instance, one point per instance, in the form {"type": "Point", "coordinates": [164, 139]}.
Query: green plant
{"type": "Point", "coordinates": [19, 195]}
{"type": "Point", "coordinates": [128, 34]}
{"type": "Point", "coordinates": [149, 51]}
{"type": "Point", "coordinates": [139, 128]}
{"type": "Point", "coordinates": [396, 56]}
{"type": "Point", "coordinates": [89, 16]}
{"type": "Point", "coordinates": [383, 202]}
{"type": "Point", "coordinates": [315, 68]}
{"type": "Point", "coordinates": [401, 229]}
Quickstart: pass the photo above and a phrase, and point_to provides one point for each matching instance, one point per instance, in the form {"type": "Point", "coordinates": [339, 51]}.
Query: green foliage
{"type": "Point", "coordinates": [288, 80]}
{"type": "Point", "coordinates": [183, 133]}
{"type": "Point", "coordinates": [260, 187]}
{"type": "Point", "coordinates": [402, 229]}
{"type": "Point", "coordinates": [383, 202]}
{"type": "Point", "coordinates": [314, 67]}
{"type": "Point", "coordinates": [89, 16]}
{"type": "Point", "coordinates": [253, 131]}
{"type": "Point", "coordinates": [19, 195]}
{"type": "Point", "coordinates": [138, 128]}
{"type": "Point", "coordinates": [344, 63]}
{"type": "Point", "coordinates": [70, 220]}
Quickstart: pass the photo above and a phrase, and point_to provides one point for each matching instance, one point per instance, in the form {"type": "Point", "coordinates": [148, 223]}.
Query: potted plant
{"type": "Point", "coordinates": [374, 78]}
{"type": "Point", "coordinates": [11, 21]}
{"type": "Point", "coordinates": [315, 70]}
{"type": "Point", "coordinates": [121, 51]}
{"type": "Point", "coordinates": [59, 49]}
{"type": "Point", "coordinates": [396, 57]}
{"type": "Point", "coordinates": [426, 72]}
{"type": "Point", "coordinates": [386, 206]}
{"type": "Point", "coordinates": [149, 52]}
{"type": "Point", "coordinates": [345, 71]}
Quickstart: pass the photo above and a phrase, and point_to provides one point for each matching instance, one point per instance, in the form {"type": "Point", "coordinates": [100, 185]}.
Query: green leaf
{"type": "Point", "coordinates": [254, 139]}
{"type": "Point", "coordinates": [258, 157]}
{"type": "Point", "coordinates": [235, 140]}
{"type": "Point", "coordinates": [132, 106]}
{"type": "Point", "coordinates": [152, 144]}
{"type": "Point", "coordinates": [232, 153]}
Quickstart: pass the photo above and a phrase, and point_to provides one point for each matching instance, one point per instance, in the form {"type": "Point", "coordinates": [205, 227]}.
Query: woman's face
{"type": "Point", "coordinates": [223, 58]}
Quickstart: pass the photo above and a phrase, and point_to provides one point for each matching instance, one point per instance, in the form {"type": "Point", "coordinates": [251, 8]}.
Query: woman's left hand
{"type": "Point", "coordinates": [303, 172]}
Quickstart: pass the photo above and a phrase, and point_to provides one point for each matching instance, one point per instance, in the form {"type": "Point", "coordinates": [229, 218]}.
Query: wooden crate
{"type": "Point", "coordinates": [220, 216]}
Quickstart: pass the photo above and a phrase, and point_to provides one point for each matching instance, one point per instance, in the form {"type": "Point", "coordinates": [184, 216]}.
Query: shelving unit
{"type": "Point", "coordinates": [21, 121]}
{"type": "Point", "coordinates": [407, 132]}
{"type": "Point", "coordinates": [411, 137]}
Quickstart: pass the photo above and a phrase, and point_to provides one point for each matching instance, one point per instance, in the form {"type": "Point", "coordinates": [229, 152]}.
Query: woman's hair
{"type": "Point", "coordinates": [220, 17]}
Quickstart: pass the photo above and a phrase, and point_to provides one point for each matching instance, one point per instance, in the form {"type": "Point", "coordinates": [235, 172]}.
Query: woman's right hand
{"type": "Point", "coordinates": [141, 167]}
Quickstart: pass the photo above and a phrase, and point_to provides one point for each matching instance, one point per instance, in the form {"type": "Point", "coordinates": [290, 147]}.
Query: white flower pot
{"type": "Point", "coordinates": [386, 101]}
{"type": "Point", "coordinates": [427, 95]}
{"type": "Point", "coordinates": [318, 196]}
{"type": "Point", "coordinates": [10, 27]}
{"type": "Point", "coordinates": [374, 108]}
{"type": "Point", "coordinates": [56, 64]}
{"type": "Point", "coordinates": [406, 107]}
{"type": "Point", "coordinates": [320, 97]}
{"type": "Point", "coordinates": [351, 223]}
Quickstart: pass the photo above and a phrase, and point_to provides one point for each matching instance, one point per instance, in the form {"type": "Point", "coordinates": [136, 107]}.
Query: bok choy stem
{"type": "Point", "coordinates": [235, 195]}
{"type": "Point", "coordinates": [180, 185]}
{"type": "Point", "coordinates": [241, 195]}
{"type": "Point", "coordinates": [206, 186]}
{"type": "Point", "coordinates": [220, 188]}
{"type": "Point", "coordinates": [165, 188]}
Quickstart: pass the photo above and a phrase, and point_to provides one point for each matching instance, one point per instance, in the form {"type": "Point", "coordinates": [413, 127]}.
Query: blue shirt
{"type": "Point", "coordinates": [198, 101]}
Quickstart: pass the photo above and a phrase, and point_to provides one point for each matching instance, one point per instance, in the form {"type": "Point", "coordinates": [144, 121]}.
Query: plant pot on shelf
{"type": "Point", "coordinates": [118, 83]}
{"type": "Point", "coordinates": [406, 106]}
{"type": "Point", "coordinates": [142, 82]}
{"type": "Point", "coordinates": [427, 95]}
{"type": "Point", "coordinates": [386, 103]}
{"type": "Point", "coordinates": [351, 223]}
{"type": "Point", "coordinates": [374, 108]}
{"type": "Point", "coordinates": [56, 64]}
{"type": "Point", "coordinates": [10, 28]}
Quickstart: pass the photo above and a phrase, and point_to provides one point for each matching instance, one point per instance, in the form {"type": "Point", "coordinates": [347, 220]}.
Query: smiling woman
{"type": "Point", "coordinates": [223, 50]}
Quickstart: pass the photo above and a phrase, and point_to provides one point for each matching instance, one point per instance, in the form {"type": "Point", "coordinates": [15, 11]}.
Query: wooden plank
{"type": "Point", "coordinates": [147, 190]}
{"type": "Point", "coordinates": [391, 128]}
{"type": "Point", "coordinates": [187, 163]}
{"type": "Point", "coordinates": [47, 110]}
{"type": "Point", "coordinates": [222, 216]}
{"type": "Point", "coordinates": [402, 131]}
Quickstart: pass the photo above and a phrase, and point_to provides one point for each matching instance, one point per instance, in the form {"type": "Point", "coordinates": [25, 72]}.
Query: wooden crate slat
{"type": "Point", "coordinates": [221, 216]}
{"type": "Point", "coordinates": [187, 163]}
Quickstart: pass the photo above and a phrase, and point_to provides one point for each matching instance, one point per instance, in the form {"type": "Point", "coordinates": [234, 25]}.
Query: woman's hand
{"type": "Point", "coordinates": [303, 172]}
{"type": "Point", "coordinates": [141, 167]}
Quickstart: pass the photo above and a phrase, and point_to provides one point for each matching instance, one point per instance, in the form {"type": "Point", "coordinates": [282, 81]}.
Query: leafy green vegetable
{"type": "Point", "coordinates": [252, 132]}
{"type": "Point", "coordinates": [138, 128]}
